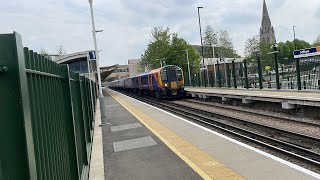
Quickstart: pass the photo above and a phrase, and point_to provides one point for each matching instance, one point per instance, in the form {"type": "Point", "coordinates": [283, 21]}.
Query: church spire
{"type": "Point", "coordinates": [265, 10]}
{"type": "Point", "coordinates": [267, 34]}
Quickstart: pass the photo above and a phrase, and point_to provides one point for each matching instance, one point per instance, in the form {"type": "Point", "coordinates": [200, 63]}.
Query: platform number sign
{"type": "Point", "coordinates": [91, 55]}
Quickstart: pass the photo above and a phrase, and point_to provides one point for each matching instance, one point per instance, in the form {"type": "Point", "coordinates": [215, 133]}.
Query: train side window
{"type": "Point", "coordinates": [164, 76]}
{"type": "Point", "coordinates": [179, 74]}
{"type": "Point", "coordinates": [144, 80]}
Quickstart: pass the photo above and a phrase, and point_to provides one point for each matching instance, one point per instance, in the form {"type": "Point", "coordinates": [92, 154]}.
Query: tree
{"type": "Point", "coordinates": [169, 48]}
{"type": "Point", "coordinates": [225, 44]}
{"type": "Point", "coordinates": [44, 53]}
{"type": "Point", "coordinates": [210, 40]}
{"type": "Point", "coordinates": [210, 37]}
{"type": "Point", "coordinates": [176, 55]}
{"type": "Point", "coordinates": [317, 41]}
{"type": "Point", "coordinates": [156, 51]}
{"type": "Point", "coordinates": [61, 51]}
{"type": "Point", "coordinates": [252, 46]}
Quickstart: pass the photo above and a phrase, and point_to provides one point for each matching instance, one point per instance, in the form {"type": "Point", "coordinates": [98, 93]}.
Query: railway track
{"type": "Point", "coordinates": [269, 137]}
{"type": "Point", "coordinates": [252, 112]}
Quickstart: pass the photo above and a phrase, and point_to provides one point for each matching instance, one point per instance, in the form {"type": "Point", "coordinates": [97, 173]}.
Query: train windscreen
{"type": "Point", "coordinates": [172, 75]}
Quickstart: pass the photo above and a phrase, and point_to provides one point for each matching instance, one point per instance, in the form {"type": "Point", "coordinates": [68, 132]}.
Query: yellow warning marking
{"type": "Point", "coordinates": [205, 165]}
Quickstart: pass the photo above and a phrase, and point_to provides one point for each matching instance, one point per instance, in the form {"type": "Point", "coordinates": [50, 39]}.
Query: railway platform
{"type": "Point", "coordinates": [287, 98]}
{"type": "Point", "coordinates": [143, 142]}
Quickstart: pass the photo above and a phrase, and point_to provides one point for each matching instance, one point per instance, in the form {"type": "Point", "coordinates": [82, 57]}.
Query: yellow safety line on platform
{"type": "Point", "coordinates": [205, 165]}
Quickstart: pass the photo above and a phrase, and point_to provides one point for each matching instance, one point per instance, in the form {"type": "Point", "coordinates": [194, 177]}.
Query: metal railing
{"type": "Point", "coordinates": [47, 116]}
{"type": "Point", "coordinates": [241, 76]}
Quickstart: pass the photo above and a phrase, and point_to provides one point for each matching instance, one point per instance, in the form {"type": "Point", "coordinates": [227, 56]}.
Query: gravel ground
{"type": "Point", "coordinates": [293, 126]}
{"type": "Point", "coordinates": [282, 115]}
{"type": "Point", "coordinates": [274, 134]}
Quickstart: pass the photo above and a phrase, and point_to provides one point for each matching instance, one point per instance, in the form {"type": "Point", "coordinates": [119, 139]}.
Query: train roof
{"type": "Point", "coordinates": [148, 72]}
{"type": "Point", "coordinates": [155, 70]}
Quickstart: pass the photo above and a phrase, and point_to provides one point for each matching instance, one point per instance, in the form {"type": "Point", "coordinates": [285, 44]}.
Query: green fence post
{"type": "Point", "coordinates": [298, 73]}
{"type": "Point", "coordinates": [246, 74]}
{"type": "Point", "coordinates": [199, 80]}
{"type": "Point", "coordinates": [259, 73]}
{"type": "Point", "coordinates": [194, 81]}
{"type": "Point", "coordinates": [219, 74]}
{"type": "Point", "coordinates": [228, 76]}
{"type": "Point", "coordinates": [234, 75]}
{"type": "Point", "coordinates": [17, 158]}
{"type": "Point", "coordinates": [212, 78]}
{"type": "Point", "coordinates": [275, 52]}
{"type": "Point", "coordinates": [69, 120]}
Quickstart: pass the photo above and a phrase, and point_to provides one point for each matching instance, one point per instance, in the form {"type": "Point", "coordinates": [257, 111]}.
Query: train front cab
{"type": "Point", "coordinates": [171, 82]}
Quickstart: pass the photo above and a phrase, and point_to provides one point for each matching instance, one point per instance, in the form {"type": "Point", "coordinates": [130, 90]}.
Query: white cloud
{"type": "Point", "coordinates": [127, 23]}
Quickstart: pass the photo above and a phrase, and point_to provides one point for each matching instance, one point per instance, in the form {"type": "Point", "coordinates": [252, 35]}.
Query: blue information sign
{"type": "Point", "coordinates": [91, 55]}
{"type": "Point", "coordinates": [306, 52]}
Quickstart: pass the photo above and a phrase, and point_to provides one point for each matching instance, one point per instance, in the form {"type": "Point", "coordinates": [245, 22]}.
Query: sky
{"type": "Point", "coordinates": [127, 24]}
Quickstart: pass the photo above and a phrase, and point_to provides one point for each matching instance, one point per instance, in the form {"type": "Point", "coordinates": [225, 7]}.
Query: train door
{"type": "Point", "coordinates": [172, 78]}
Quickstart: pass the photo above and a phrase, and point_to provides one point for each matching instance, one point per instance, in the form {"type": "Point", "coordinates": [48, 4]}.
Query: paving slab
{"type": "Point", "coordinates": [135, 152]}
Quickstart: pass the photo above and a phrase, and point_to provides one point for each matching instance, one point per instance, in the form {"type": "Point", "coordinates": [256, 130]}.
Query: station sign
{"type": "Point", "coordinates": [203, 67]}
{"type": "Point", "coordinates": [91, 56]}
{"type": "Point", "coordinates": [306, 52]}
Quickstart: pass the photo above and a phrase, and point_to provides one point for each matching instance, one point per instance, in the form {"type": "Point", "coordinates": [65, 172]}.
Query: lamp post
{"type": "Point", "coordinates": [294, 37]}
{"type": "Point", "coordinates": [204, 74]}
{"type": "Point", "coordinates": [188, 66]}
{"type": "Point", "coordinates": [101, 98]}
{"type": "Point", "coordinates": [95, 48]}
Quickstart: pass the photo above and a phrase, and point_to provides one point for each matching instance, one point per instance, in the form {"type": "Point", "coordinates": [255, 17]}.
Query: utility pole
{"type": "Point", "coordinates": [204, 71]}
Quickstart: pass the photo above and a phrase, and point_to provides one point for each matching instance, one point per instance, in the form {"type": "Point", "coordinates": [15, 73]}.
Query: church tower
{"type": "Point", "coordinates": [266, 30]}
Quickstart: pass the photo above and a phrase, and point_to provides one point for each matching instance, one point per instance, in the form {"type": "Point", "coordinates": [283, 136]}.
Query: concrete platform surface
{"type": "Point", "coordinates": [215, 154]}
{"type": "Point", "coordinates": [96, 165]}
{"type": "Point", "coordinates": [309, 98]}
{"type": "Point", "coordinates": [131, 151]}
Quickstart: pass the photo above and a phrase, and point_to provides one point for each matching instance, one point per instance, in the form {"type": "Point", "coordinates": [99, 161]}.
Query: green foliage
{"type": "Point", "coordinates": [225, 44]}
{"type": "Point", "coordinates": [221, 41]}
{"type": "Point", "coordinates": [317, 41]}
{"type": "Point", "coordinates": [168, 48]}
{"type": "Point", "coordinates": [44, 53]}
{"type": "Point", "coordinates": [61, 51]}
{"type": "Point", "coordinates": [252, 46]}
{"type": "Point", "coordinates": [176, 54]}
{"type": "Point", "coordinates": [285, 55]}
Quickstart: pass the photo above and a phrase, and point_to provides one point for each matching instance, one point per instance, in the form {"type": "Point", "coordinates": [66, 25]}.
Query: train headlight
{"type": "Point", "coordinates": [165, 84]}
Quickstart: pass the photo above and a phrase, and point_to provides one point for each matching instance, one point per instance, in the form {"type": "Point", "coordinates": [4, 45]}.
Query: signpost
{"type": "Point", "coordinates": [275, 51]}
{"type": "Point", "coordinates": [203, 67]}
{"type": "Point", "coordinates": [91, 55]}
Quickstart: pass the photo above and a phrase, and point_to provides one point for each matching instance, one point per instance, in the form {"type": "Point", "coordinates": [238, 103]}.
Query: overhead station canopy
{"type": "Point", "coordinates": [78, 63]}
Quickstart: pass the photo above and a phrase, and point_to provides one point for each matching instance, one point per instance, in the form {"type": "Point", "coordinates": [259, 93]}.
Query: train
{"type": "Point", "coordinates": [164, 82]}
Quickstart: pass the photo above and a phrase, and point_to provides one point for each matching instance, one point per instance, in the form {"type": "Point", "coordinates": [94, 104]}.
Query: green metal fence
{"type": "Point", "coordinates": [47, 116]}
